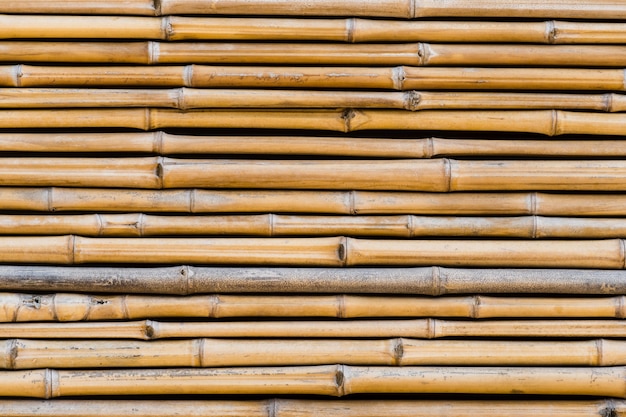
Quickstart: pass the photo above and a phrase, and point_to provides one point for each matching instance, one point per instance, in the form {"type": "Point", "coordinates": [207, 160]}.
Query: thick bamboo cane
{"type": "Point", "coordinates": [77, 307]}
{"type": "Point", "coordinates": [399, 78]}
{"type": "Point", "coordinates": [339, 30]}
{"type": "Point", "coordinates": [427, 281]}
{"type": "Point", "coordinates": [268, 225]}
{"type": "Point", "coordinates": [416, 54]}
{"type": "Point", "coordinates": [301, 408]}
{"type": "Point", "coordinates": [192, 98]}
{"type": "Point", "coordinates": [33, 354]}
{"type": "Point", "coordinates": [413, 328]}
{"type": "Point", "coordinates": [334, 380]}
{"type": "Point", "coordinates": [328, 251]}
{"type": "Point", "coordinates": [167, 144]}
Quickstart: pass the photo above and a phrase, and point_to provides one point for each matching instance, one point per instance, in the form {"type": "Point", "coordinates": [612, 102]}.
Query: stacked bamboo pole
{"type": "Point", "coordinates": [462, 234]}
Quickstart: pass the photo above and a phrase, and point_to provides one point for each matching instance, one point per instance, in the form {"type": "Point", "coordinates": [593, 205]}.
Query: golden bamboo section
{"type": "Point", "coordinates": [77, 307]}
{"type": "Point", "coordinates": [415, 54]}
{"type": "Point", "coordinates": [191, 353]}
{"type": "Point", "coordinates": [333, 380]}
{"type": "Point", "coordinates": [177, 28]}
{"type": "Point", "coordinates": [193, 98]}
{"type": "Point", "coordinates": [267, 225]}
{"type": "Point", "coordinates": [395, 78]}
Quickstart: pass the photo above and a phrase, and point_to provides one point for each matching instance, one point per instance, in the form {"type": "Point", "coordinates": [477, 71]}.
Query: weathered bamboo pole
{"type": "Point", "coordinates": [268, 225]}
{"type": "Point", "coordinates": [178, 28]}
{"type": "Point", "coordinates": [416, 54]}
{"type": "Point", "coordinates": [327, 251]}
{"type": "Point", "coordinates": [192, 98]}
{"type": "Point", "coordinates": [78, 307]}
{"type": "Point", "coordinates": [204, 353]}
{"type": "Point", "coordinates": [410, 328]}
{"type": "Point", "coordinates": [426, 281]}
{"type": "Point", "coordinates": [334, 380]}
{"type": "Point", "coordinates": [398, 78]}
{"type": "Point", "coordinates": [294, 408]}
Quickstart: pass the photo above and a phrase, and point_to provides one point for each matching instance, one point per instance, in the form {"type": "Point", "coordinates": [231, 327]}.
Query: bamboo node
{"type": "Point", "coordinates": [347, 116]}
{"type": "Point", "coordinates": [609, 410]}
{"type": "Point", "coordinates": [620, 307]}
{"type": "Point", "coordinates": [397, 351]}
{"type": "Point", "coordinates": [554, 125]}
{"type": "Point", "coordinates": [340, 380]}
{"type": "Point", "coordinates": [341, 306]}
{"type": "Point", "coordinates": [166, 24]}
{"type": "Point", "coordinates": [436, 288]}
{"type": "Point", "coordinates": [342, 250]}
{"type": "Point", "coordinates": [475, 307]}
{"type": "Point", "coordinates": [551, 32]}
{"type": "Point", "coordinates": [181, 99]}
{"type": "Point", "coordinates": [350, 29]}
{"type": "Point", "coordinates": [599, 353]}
{"type": "Point", "coordinates": [398, 76]}
{"type": "Point", "coordinates": [188, 76]}
{"type": "Point", "coordinates": [51, 383]}
{"type": "Point", "coordinates": [607, 101]}
{"type": "Point", "coordinates": [149, 329]}
{"type": "Point", "coordinates": [272, 407]}
{"type": "Point", "coordinates": [11, 353]}
{"type": "Point", "coordinates": [153, 52]}
{"type": "Point", "coordinates": [156, 5]}
{"type": "Point", "coordinates": [411, 100]}
{"type": "Point", "coordinates": [622, 252]}
{"type": "Point", "coordinates": [18, 73]}
{"type": "Point", "coordinates": [423, 53]}
{"type": "Point", "coordinates": [214, 305]}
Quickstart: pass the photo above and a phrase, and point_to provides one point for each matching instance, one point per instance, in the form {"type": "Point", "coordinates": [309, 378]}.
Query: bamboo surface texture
{"type": "Point", "coordinates": [177, 28]}
{"type": "Point", "coordinates": [395, 78]}
{"type": "Point", "coordinates": [333, 380]}
{"type": "Point", "coordinates": [204, 353]}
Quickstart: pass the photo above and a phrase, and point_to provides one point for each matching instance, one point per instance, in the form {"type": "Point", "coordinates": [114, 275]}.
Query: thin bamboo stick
{"type": "Point", "coordinates": [427, 281]}
{"type": "Point", "coordinates": [192, 98]}
{"type": "Point", "coordinates": [416, 54]}
{"type": "Point", "coordinates": [328, 251]}
{"type": "Point", "coordinates": [268, 225]}
{"type": "Point", "coordinates": [301, 408]}
{"type": "Point", "coordinates": [398, 78]}
{"type": "Point", "coordinates": [203, 353]}
{"type": "Point", "coordinates": [339, 30]}
{"type": "Point", "coordinates": [335, 380]}
{"type": "Point", "coordinates": [18, 307]}
{"type": "Point", "coordinates": [140, 7]}
{"type": "Point", "coordinates": [413, 328]}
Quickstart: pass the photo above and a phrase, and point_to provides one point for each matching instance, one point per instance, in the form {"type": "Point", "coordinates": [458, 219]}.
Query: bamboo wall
{"type": "Point", "coordinates": [255, 207]}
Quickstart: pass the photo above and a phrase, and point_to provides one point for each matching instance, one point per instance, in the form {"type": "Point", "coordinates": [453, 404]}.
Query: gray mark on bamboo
{"type": "Point", "coordinates": [398, 77]}
{"type": "Point", "coordinates": [551, 32]}
{"type": "Point", "coordinates": [397, 351]}
{"type": "Point", "coordinates": [350, 29]}
{"type": "Point", "coordinates": [340, 380]}
{"type": "Point", "coordinates": [412, 100]}
{"type": "Point", "coordinates": [347, 116]}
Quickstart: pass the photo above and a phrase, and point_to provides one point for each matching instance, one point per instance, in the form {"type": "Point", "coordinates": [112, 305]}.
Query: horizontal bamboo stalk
{"type": "Point", "coordinates": [178, 28]}
{"type": "Point", "coordinates": [78, 307]}
{"type": "Point", "coordinates": [546, 122]}
{"type": "Point", "coordinates": [268, 225]}
{"type": "Point", "coordinates": [328, 251]}
{"type": "Point", "coordinates": [430, 175]}
{"type": "Point", "coordinates": [334, 380]}
{"type": "Point", "coordinates": [204, 353]}
{"type": "Point", "coordinates": [426, 281]}
{"type": "Point", "coordinates": [415, 54]}
{"type": "Point", "coordinates": [191, 98]}
{"type": "Point", "coordinates": [167, 144]}
{"type": "Point", "coordinates": [410, 328]}
{"type": "Point", "coordinates": [398, 78]}
{"type": "Point", "coordinates": [60, 199]}
{"type": "Point", "coordinates": [300, 408]}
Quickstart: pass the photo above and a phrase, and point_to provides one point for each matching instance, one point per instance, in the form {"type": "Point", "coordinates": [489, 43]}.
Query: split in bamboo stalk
{"type": "Point", "coordinates": [64, 307]}
{"type": "Point", "coordinates": [546, 122]}
{"type": "Point", "coordinates": [327, 251]}
{"type": "Point", "coordinates": [268, 225]}
{"type": "Point", "coordinates": [398, 78]}
{"type": "Point", "coordinates": [167, 144]}
{"type": "Point", "coordinates": [204, 353]}
{"type": "Point", "coordinates": [177, 28]}
{"type": "Point", "coordinates": [192, 98]}
{"type": "Point", "coordinates": [60, 199]}
{"type": "Point", "coordinates": [416, 54]}
{"type": "Point", "coordinates": [336, 329]}
{"type": "Point", "coordinates": [334, 380]}
{"type": "Point", "coordinates": [323, 408]}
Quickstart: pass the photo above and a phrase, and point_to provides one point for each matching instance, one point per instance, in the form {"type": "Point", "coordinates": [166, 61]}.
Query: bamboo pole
{"type": "Point", "coordinates": [203, 353]}
{"type": "Point", "coordinates": [336, 329]}
{"type": "Point", "coordinates": [193, 98]}
{"type": "Point", "coordinates": [299, 408]}
{"type": "Point", "coordinates": [398, 78]}
{"type": "Point", "coordinates": [268, 225]}
{"type": "Point", "coordinates": [416, 54]}
{"type": "Point", "coordinates": [334, 380]}
{"type": "Point", "coordinates": [177, 28]}
{"type": "Point", "coordinates": [78, 307]}
{"type": "Point", "coordinates": [426, 281]}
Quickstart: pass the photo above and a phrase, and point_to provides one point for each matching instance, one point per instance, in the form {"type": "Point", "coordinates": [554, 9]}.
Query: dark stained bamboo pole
{"type": "Point", "coordinates": [78, 307]}
{"type": "Point", "coordinates": [333, 380]}
{"type": "Point", "coordinates": [413, 328]}
{"type": "Point", "coordinates": [426, 281]}
{"type": "Point", "coordinates": [398, 78]}
{"type": "Point", "coordinates": [416, 54]}
{"type": "Point", "coordinates": [296, 407]}
{"type": "Point", "coordinates": [204, 353]}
